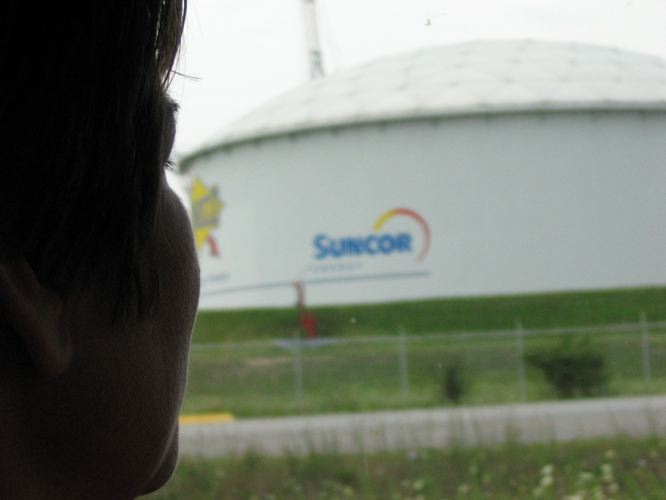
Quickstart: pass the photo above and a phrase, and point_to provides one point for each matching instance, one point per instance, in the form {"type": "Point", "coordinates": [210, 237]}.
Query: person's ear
{"type": "Point", "coordinates": [36, 316]}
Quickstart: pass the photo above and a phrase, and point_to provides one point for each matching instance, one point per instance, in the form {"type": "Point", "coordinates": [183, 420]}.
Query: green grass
{"type": "Point", "coordinates": [258, 380]}
{"type": "Point", "coordinates": [612, 468]}
{"type": "Point", "coordinates": [441, 315]}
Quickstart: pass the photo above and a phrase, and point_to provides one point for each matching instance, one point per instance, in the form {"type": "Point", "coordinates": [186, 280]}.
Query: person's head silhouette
{"type": "Point", "coordinates": [98, 275]}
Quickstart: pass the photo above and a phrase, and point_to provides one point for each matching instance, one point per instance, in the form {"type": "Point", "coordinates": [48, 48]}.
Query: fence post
{"type": "Point", "coordinates": [520, 347]}
{"type": "Point", "coordinates": [402, 361]}
{"type": "Point", "coordinates": [298, 367]}
{"type": "Point", "coordinates": [645, 344]}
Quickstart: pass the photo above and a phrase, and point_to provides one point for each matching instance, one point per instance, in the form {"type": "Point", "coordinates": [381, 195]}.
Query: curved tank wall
{"type": "Point", "coordinates": [477, 205]}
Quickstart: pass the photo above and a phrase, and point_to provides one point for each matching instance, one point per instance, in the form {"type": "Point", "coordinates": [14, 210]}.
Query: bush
{"type": "Point", "coordinates": [453, 382]}
{"type": "Point", "coordinates": [573, 368]}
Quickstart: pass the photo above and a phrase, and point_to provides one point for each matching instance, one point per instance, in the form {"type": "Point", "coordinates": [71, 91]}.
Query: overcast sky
{"type": "Point", "coordinates": [239, 53]}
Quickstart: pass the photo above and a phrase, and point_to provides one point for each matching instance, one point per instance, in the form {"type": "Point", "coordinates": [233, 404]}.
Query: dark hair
{"type": "Point", "coordinates": [85, 122]}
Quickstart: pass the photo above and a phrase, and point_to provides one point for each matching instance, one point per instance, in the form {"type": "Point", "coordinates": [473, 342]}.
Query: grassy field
{"type": "Point", "coordinates": [600, 469]}
{"type": "Point", "coordinates": [442, 315]}
{"type": "Point", "coordinates": [258, 378]}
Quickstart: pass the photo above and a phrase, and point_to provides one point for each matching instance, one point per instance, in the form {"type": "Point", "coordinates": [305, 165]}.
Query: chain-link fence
{"type": "Point", "coordinates": [288, 376]}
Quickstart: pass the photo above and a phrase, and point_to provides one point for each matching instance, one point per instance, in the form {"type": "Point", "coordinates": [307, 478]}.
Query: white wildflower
{"type": "Point", "coordinates": [598, 493]}
{"type": "Point", "coordinates": [463, 489]}
{"type": "Point", "coordinates": [547, 470]}
{"type": "Point", "coordinates": [585, 477]}
{"type": "Point", "coordinates": [546, 481]}
{"type": "Point", "coordinates": [418, 485]}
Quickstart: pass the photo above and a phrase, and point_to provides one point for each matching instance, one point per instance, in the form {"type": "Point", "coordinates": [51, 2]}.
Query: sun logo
{"type": "Point", "coordinates": [206, 209]}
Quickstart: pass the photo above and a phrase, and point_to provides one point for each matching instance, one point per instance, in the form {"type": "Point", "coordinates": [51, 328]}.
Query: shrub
{"type": "Point", "coordinates": [453, 382]}
{"type": "Point", "coordinates": [573, 368]}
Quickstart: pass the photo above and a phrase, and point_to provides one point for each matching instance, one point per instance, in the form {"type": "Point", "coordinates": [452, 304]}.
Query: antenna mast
{"type": "Point", "coordinates": [315, 62]}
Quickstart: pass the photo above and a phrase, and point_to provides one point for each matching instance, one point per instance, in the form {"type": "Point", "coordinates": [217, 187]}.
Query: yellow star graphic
{"type": "Point", "coordinates": [206, 208]}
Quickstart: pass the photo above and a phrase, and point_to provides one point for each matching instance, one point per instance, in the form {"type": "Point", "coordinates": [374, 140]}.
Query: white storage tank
{"type": "Point", "coordinates": [475, 169]}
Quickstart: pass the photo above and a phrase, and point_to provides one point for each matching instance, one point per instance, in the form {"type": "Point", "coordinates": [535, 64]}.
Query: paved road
{"type": "Point", "coordinates": [414, 429]}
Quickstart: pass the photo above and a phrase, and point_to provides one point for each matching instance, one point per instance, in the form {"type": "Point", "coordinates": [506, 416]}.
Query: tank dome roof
{"type": "Point", "coordinates": [468, 78]}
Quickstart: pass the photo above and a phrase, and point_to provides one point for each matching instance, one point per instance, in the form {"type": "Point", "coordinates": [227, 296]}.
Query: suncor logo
{"type": "Point", "coordinates": [376, 243]}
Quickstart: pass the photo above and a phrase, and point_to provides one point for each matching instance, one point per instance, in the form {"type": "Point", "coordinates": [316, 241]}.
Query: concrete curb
{"type": "Point", "coordinates": [441, 428]}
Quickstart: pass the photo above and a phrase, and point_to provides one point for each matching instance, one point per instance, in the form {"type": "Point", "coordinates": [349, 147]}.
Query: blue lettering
{"type": "Point", "coordinates": [337, 248]}
{"type": "Point", "coordinates": [320, 243]}
{"type": "Point", "coordinates": [371, 244]}
{"type": "Point", "coordinates": [386, 243]}
{"type": "Point", "coordinates": [355, 246]}
{"type": "Point", "coordinates": [371, 250]}
{"type": "Point", "coordinates": [404, 242]}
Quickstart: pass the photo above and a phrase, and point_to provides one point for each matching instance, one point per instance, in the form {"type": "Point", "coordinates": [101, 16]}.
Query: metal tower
{"type": "Point", "coordinates": [313, 46]}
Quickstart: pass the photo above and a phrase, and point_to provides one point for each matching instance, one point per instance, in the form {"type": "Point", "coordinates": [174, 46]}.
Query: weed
{"type": "Point", "coordinates": [454, 384]}
{"type": "Point", "coordinates": [575, 471]}
{"type": "Point", "coordinates": [573, 368]}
